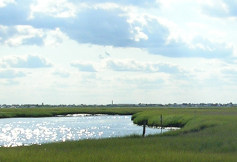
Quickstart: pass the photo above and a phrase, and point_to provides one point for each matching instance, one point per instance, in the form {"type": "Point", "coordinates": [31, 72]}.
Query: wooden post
{"type": "Point", "coordinates": [161, 123]}
{"type": "Point", "coordinates": [144, 128]}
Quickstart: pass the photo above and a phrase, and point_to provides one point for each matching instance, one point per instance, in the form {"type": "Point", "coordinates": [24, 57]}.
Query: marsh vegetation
{"type": "Point", "coordinates": [207, 134]}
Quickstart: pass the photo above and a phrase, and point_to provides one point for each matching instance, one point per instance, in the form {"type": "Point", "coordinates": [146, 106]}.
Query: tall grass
{"type": "Point", "coordinates": [122, 149]}
{"type": "Point", "coordinates": [190, 120]}
{"type": "Point", "coordinates": [51, 111]}
{"type": "Point", "coordinates": [207, 135]}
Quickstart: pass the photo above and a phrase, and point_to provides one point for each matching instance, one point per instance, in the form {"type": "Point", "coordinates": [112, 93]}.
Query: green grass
{"type": "Point", "coordinates": [207, 135]}
{"type": "Point", "coordinates": [52, 111]}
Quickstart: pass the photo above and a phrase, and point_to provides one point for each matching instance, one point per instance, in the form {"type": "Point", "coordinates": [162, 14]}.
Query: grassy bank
{"type": "Point", "coordinates": [51, 111]}
{"type": "Point", "coordinates": [206, 135]}
{"type": "Point", "coordinates": [189, 119]}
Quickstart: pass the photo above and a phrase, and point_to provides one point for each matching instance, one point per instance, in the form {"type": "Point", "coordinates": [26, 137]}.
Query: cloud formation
{"type": "Point", "coordinates": [101, 27]}
{"type": "Point", "coordinates": [21, 34]}
{"type": "Point", "coordinates": [138, 3]}
{"type": "Point", "coordinates": [84, 66]}
{"type": "Point", "coordinates": [198, 47]}
{"type": "Point", "coordinates": [60, 72]}
{"type": "Point", "coordinates": [128, 65]}
{"type": "Point", "coordinates": [136, 50]}
{"type": "Point", "coordinates": [3, 3]}
{"type": "Point", "coordinates": [26, 61]}
{"type": "Point", "coordinates": [90, 23]}
{"type": "Point", "coordinates": [11, 73]}
{"type": "Point", "coordinates": [16, 13]}
{"type": "Point", "coordinates": [136, 66]}
{"type": "Point", "coordinates": [220, 8]}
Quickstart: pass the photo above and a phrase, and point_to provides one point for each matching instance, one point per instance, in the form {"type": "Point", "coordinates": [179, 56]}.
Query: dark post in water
{"type": "Point", "coordinates": [161, 123]}
{"type": "Point", "coordinates": [144, 128]}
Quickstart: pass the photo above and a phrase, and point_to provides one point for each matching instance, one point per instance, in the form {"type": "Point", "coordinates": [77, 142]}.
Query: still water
{"type": "Point", "coordinates": [28, 131]}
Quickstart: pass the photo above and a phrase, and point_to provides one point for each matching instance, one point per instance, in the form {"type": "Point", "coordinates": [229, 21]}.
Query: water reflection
{"type": "Point", "coordinates": [28, 131]}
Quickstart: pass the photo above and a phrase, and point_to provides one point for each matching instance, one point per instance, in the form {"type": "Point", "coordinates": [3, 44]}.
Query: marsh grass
{"type": "Point", "coordinates": [121, 149]}
{"type": "Point", "coordinates": [51, 111]}
{"type": "Point", "coordinates": [206, 135]}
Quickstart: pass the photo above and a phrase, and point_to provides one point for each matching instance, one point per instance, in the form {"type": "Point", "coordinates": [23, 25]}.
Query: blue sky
{"type": "Point", "coordinates": [93, 52]}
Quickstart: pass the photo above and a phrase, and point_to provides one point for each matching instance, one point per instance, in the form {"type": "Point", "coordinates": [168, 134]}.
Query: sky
{"type": "Point", "coordinates": [128, 51]}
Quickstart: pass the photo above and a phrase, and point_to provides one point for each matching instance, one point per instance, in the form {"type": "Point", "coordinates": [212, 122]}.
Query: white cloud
{"type": "Point", "coordinates": [139, 34]}
{"type": "Point", "coordinates": [124, 65]}
{"type": "Point", "coordinates": [10, 82]}
{"type": "Point", "coordinates": [21, 34]}
{"type": "Point", "coordinates": [84, 66]}
{"type": "Point", "coordinates": [3, 3]}
{"type": "Point", "coordinates": [26, 61]}
{"type": "Point", "coordinates": [54, 37]}
{"type": "Point", "coordinates": [18, 35]}
{"type": "Point", "coordinates": [137, 3]}
{"type": "Point", "coordinates": [11, 73]}
{"type": "Point", "coordinates": [61, 72]}
{"type": "Point", "coordinates": [70, 8]}
{"type": "Point", "coordinates": [220, 8]}
{"type": "Point", "coordinates": [60, 8]}
{"type": "Point", "coordinates": [167, 3]}
{"type": "Point", "coordinates": [128, 65]}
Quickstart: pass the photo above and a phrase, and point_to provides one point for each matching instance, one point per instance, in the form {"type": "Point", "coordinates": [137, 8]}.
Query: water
{"type": "Point", "coordinates": [28, 131]}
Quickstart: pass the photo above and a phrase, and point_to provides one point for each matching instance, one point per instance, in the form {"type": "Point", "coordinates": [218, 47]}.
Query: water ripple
{"type": "Point", "coordinates": [28, 131]}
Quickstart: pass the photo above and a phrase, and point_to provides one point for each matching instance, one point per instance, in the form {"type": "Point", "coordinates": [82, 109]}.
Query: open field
{"type": "Point", "coordinates": [207, 134]}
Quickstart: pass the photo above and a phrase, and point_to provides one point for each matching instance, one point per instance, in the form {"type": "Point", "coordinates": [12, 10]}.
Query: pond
{"type": "Point", "coordinates": [29, 131]}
